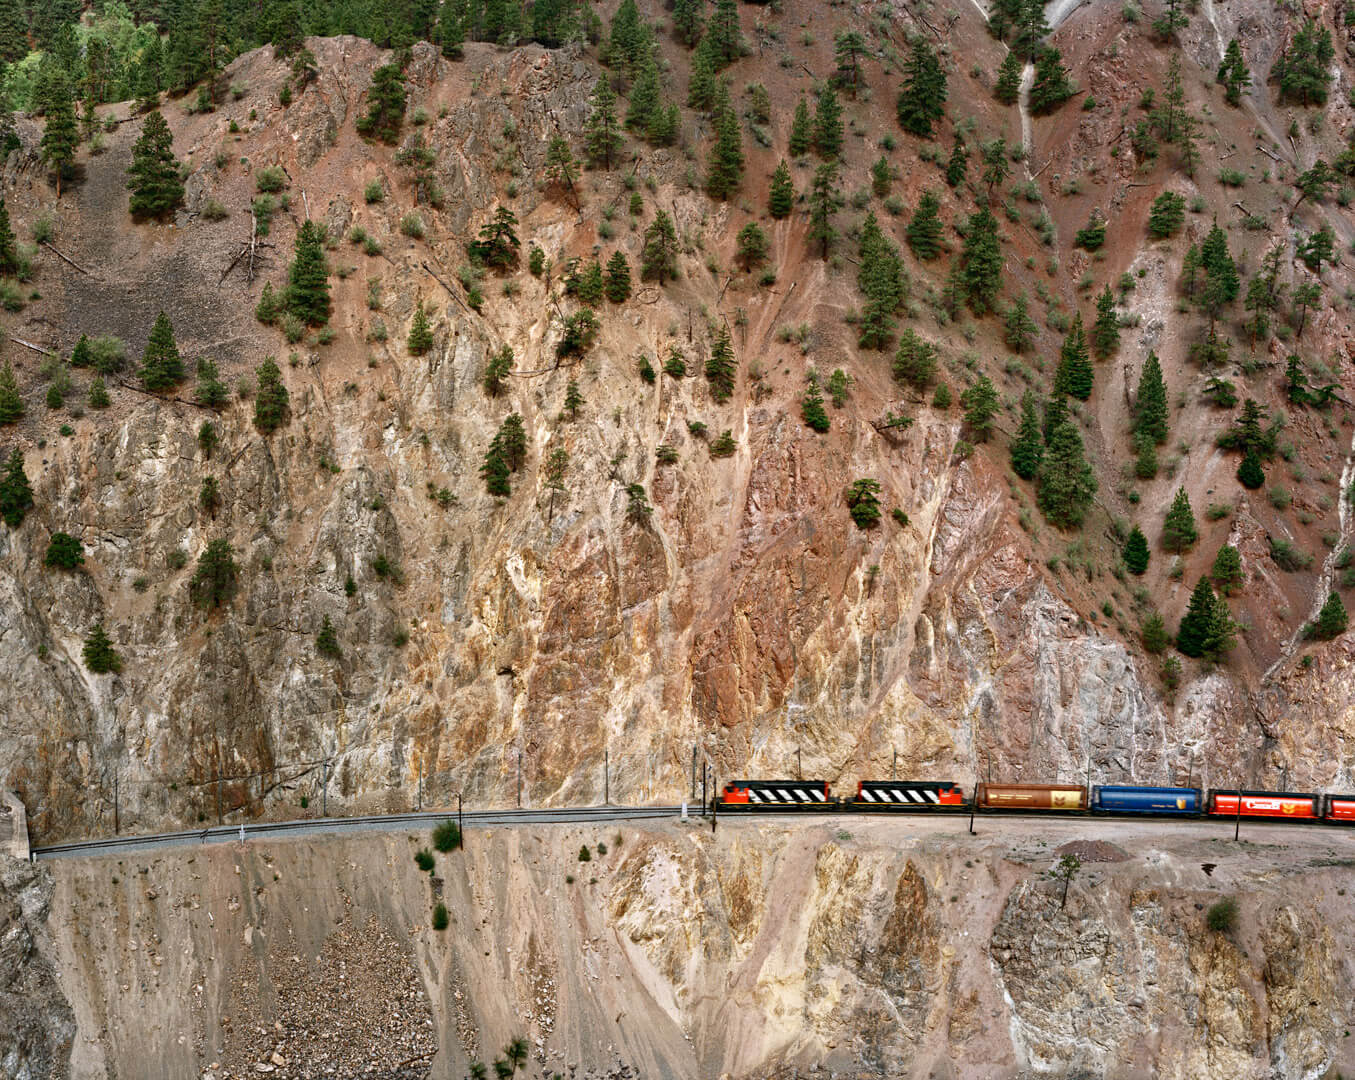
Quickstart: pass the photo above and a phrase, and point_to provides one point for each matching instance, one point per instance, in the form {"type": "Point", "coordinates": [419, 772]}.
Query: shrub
{"type": "Point", "coordinates": [423, 858]}
{"type": "Point", "coordinates": [447, 836]}
{"type": "Point", "coordinates": [1288, 557]}
{"type": "Point", "coordinates": [64, 552]}
{"type": "Point", "coordinates": [270, 179]}
{"type": "Point", "coordinates": [440, 917]}
{"type": "Point", "coordinates": [1222, 916]}
{"type": "Point", "coordinates": [214, 210]}
{"type": "Point", "coordinates": [584, 854]}
{"type": "Point", "coordinates": [412, 226]}
{"type": "Point", "coordinates": [374, 192]}
{"type": "Point", "coordinates": [724, 446]}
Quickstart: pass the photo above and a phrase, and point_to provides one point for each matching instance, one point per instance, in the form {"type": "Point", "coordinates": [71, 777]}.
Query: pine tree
{"type": "Point", "coordinates": [751, 246]}
{"type": "Point", "coordinates": [1167, 215]}
{"type": "Point", "coordinates": [658, 256]}
{"type": "Point", "coordinates": [915, 361]}
{"type": "Point", "coordinates": [1055, 413]}
{"type": "Point", "coordinates": [1075, 374]}
{"type": "Point", "coordinates": [1008, 84]}
{"type": "Point", "coordinates": [1051, 87]}
{"type": "Point", "coordinates": [602, 133]}
{"type": "Point", "coordinates": [631, 41]}
{"type": "Point", "coordinates": [1222, 282]}
{"type": "Point", "coordinates": [1227, 570]}
{"type": "Point", "coordinates": [1304, 68]}
{"type": "Point", "coordinates": [811, 405]}
{"type": "Point", "coordinates": [98, 393]}
{"type": "Point", "coordinates": [308, 276]}
{"type": "Point", "coordinates": [9, 248]}
{"type": "Point", "coordinates": [664, 126]}
{"type": "Point", "coordinates": [1135, 552]}
{"type": "Point", "coordinates": [822, 204]}
{"type": "Point", "coordinates": [1145, 456]}
{"type": "Point", "coordinates": [420, 333]}
{"type": "Point", "coordinates": [1331, 620]}
{"type": "Point", "coordinates": [100, 656]}
{"type": "Point", "coordinates": [1106, 329]}
{"type": "Point", "coordinates": [848, 45]}
{"type": "Point", "coordinates": [981, 261]}
{"type": "Point", "coordinates": [61, 135]}
{"type": "Point", "coordinates": [1318, 248]}
{"type": "Point", "coordinates": [1178, 529]}
{"type": "Point", "coordinates": [801, 130]}
{"type": "Point", "coordinates": [724, 169]}
{"type": "Point", "coordinates": [1207, 629]}
{"type": "Point", "coordinates": [327, 640]}
{"type": "Point", "coordinates": [924, 229]}
{"type": "Point", "coordinates": [723, 35]}
{"type": "Point", "coordinates": [1233, 74]}
{"type": "Point", "coordinates": [80, 354]}
{"type": "Point", "coordinates": [1030, 29]}
{"type": "Point", "coordinates": [828, 124]}
{"type": "Point", "coordinates": [922, 100]}
{"type": "Point", "coordinates": [1250, 473]}
{"type": "Point", "coordinates": [271, 398]}
{"type": "Point", "coordinates": [689, 21]}
{"type": "Point", "coordinates": [11, 401]}
{"type": "Point", "coordinates": [1153, 633]}
{"type": "Point", "coordinates": [154, 172]}
{"type": "Point", "coordinates": [644, 98]}
{"type": "Point", "coordinates": [1027, 449]}
{"type": "Point", "coordinates": [16, 493]}
{"type": "Point", "coordinates": [981, 404]}
{"type": "Point", "coordinates": [211, 392]}
{"type": "Point", "coordinates": [385, 105]}
{"type": "Point", "coordinates": [498, 244]}
{"type": "Point", "coordinates": [881, 177]}
{"type": "Point", "coordinates": [573, 400]}
{"type": "Point", "coordinates": [993, 154]}
{"type": "Point", "coordinates": [1150, 402]}
{"type": "Point", "coordinates": [617, 286]}
{"type": "Point", "coordinates": [720, 366]}
{"type": "Point", "coordinates": [781, 196]}
{"type": "Point", "coordinates": [560, 166]}
{"type": "Point", "coordinates": [957, 167]}
{"type": "Point", "coordinates": [216, 575]}
{"type": "Point", "coordinates": [1067, 483]}
{"type": "Point", "coordinates": [161, 366]}
{"type": "Point", "coordinates": [1019, 327]}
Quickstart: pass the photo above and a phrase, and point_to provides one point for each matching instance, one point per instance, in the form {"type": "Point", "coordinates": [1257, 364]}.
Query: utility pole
{"type": "Point", "coordinates": [606, 779]}
{"type": "Point", "coordinates": [973, 804]}
{"type": "Point", "coordinates": [714, 804]}
{"type": "Point", "coordinates": [894, 765]}
{"type": "Point", "coordinates": [460, 826]}
{"type": "Point", "coordinates": [693, 770]}
{"type": "Point", "coordinates": [117, 825]}
{"type": "Point", "coordinates": [799, 772]}
{"type": "Point", "coordinates": [705, 768]}
{"type": "Point", "coordinates": [519, 778]}
{"type": "Point", "coordinates": [324, 789]}
{"type": "Point", "coordinates": [1237, 823]}
{"type": "Point", "coordinates": [218, 793]}
{"type": "Point", "coordinates": [420, 786]}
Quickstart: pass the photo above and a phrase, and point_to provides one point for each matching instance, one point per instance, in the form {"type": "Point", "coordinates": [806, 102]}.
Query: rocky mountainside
{"type": "Point", "coordinates": [594, 646]}
{"type": "Point", "coordinates": [870, 950]}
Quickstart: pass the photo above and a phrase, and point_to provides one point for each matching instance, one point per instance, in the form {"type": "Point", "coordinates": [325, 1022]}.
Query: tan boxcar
{"type": "Point", "coordinates": [1032, 797]}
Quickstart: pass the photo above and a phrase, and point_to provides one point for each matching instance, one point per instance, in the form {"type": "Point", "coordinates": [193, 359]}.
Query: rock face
{"type": "Point", "coordinates": [865, 948]}
{"type": "Point", "coordinates": [39, 1027]}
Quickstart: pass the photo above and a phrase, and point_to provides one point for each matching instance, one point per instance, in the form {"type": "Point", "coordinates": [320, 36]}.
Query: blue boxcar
{"type": "Point", "coordinates": [1148, 800]}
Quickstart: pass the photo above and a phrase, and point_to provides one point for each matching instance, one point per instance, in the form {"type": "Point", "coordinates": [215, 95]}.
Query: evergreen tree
{"type": "Point", "coordinates": [922, 100]}
{"type": "Point", "coordinates": [98, 393]}
{"type": "Point", "coordinates": [9, 248]}
{"type": "Point", "coordinates": [811, 405]}
{"type": "Point", "coordinates": [702, 86]}
{"type": "Point", "coordinates": [215, 578]}
{"type": "Point", "coordinates": [1178, 529]}
{"type": "Point", "coordinates": [154, 173]}
{"type": "Point", "coordinates": [1075, 374]}
{"type": "Point", "coordinates": [664, 126]}
{"type": "Point", "coordinates": [308, 276]}
{"type": "Point", "coordinates": [1318, 248]}
{"type": "Point", "coordinates": [1055, 413]}
{"type": "Point", "coordinates": [1250, 473]}
{"type": "Point", "coordinates": [420, 333]}
{"type": "Point", "coordinates": [327, 640]}
{"type": "Point", "coordinates": [1233, 74]}
{"type": "Point", "coordinates": [924, 228]}
{"type": "Point", "coordinates": [1019, 327]}
{"type": "Point", "coordinates": [644, 98]}
{"type": "Point", "coordinates": [1153, 633]}
{"type": "Point", "coordinates": [495, 473]}
{"type": "Point", "coordinates": [1067, 483]}
{"type": "Point", "coordinates": [16, 493]}
{"type": "Point", "coordinates": [751, 246]}
{"type": "Point", "coordinates": [848, 45]}
{"type": "Point", "coordinates": [1030, 29]}
{"type": "Point", "coordinates": [915, 361]}
{"type": "Point", "coordinates": [385, 105]}
{"type": "Point", "coordinates": [1150, 402]}
{"type": "Point", "coordinates": [1207, 629]}
{"type": "Point", "coordinates": [981, 404]}
{"type": "Point", "coordinates": [1222, 282]}
{"type": "Point", "coordinates": [11, 401]}
{"type": "Point", "coordinates": [724, 170]}
{"type": "Point", "coordinates": [573, 400]}
{"type": "Point", "coordinates": [981, 261]}
{"type": "Point", "coordinates": [1051, 87]}
{"type": "Point", "coordinates": [689, 21]}
{"type": "Point", "coordinates": [1145, 456]}
{"type": "Point", "coordinates": [1135, 552]}
{"type": "Point", "coordinates": [993, 154]}
{"type": "Point", "coordinates": [617, 286]}
{"type": "Point", "coordinates": [271, 398]}
{"type": "Point", "coordinates": [1167, 215]}
{"type": "Point", "coordinates": [211, 391]}
{"type": "Point", "coordinates": [553, 476]}
{"type": "Point", "coordinates": [723, 35]}
{"type": "Point", "coordinates": [801, 130]}
{"type": "Point", "coordinates": [602, 133]}
{"type": "Point", "coordinates": [1008, 85]}
{"type": "Point", "coordinates": [100, 656]}
{"type": "Point", "coordinates": [1106, 329]}
{"type": "Point", "coordinates": [1304, 68]}
{"type": "Point", "coordinates": [61, 135]}
{"type": "Point", "coordinates": [1171, 20]}
{"type": "Point", "coordinates": [881, 177]}
{"type": "Point", "coordinates": [957, 168]}
{"type": "Point", "coordinates": [822, 204]}
{"type": "Point", "coordinates": [1331, 620]}
{"type": "Point", "coordinates": [1027, 449]}
{"type": "Point", "coordinates": [80, 355]}
{"type": "Point", "coordinates": [631, 41]}
{"type": "Point", "coordinates": [498, 244]}
{"type": "Point", "coordinates": [658, 256]}
{"type": "Point", "coordinates": [781, 196]}
{"type": "Point", "coordinates": [828, 124]}
{"type": "Point", "coordinates": [161, 366]}
{"type": "Point", "coordinates": [720, 366]}
{"type": "Point", "coordinates": [1227, 570]}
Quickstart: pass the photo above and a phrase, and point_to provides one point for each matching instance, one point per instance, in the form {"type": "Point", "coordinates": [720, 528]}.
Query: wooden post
{"type": "Point", "coordinates": [1237, 823]}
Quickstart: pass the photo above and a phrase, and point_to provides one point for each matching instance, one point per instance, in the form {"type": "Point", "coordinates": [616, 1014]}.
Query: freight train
{"type": "Point", "coordinates": [941, 797]}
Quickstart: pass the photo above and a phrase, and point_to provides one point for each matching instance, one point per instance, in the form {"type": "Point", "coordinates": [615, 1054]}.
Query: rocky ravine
{"type": "Point", "coordinates": [870, 948]}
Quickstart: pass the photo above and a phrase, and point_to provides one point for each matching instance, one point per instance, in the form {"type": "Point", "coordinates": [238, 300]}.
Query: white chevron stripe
{"type": "Point", "coordinates": [933, 796]}
{"type": "Point", "coordinates": [819, 796]}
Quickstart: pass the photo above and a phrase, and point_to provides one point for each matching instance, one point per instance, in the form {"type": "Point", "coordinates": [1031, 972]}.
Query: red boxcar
{"type": "Point", "coordinates": [1340, 808]}
{"type": "Point", "coordinates": [1294, 805]}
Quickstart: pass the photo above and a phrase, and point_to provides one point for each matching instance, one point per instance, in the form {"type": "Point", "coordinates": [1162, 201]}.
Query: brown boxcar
{"type": "Point", "coordinates": [1031, 797]}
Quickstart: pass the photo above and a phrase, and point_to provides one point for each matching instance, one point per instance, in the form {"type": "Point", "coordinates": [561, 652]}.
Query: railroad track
{"type": "Point", "coordinates": [262, 830]}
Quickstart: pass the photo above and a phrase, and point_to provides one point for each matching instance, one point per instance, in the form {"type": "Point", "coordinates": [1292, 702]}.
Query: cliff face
{"type": "Point", "coordinates": [873, 948]}
{"type": "Point", "coordinates": [747, 615]}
